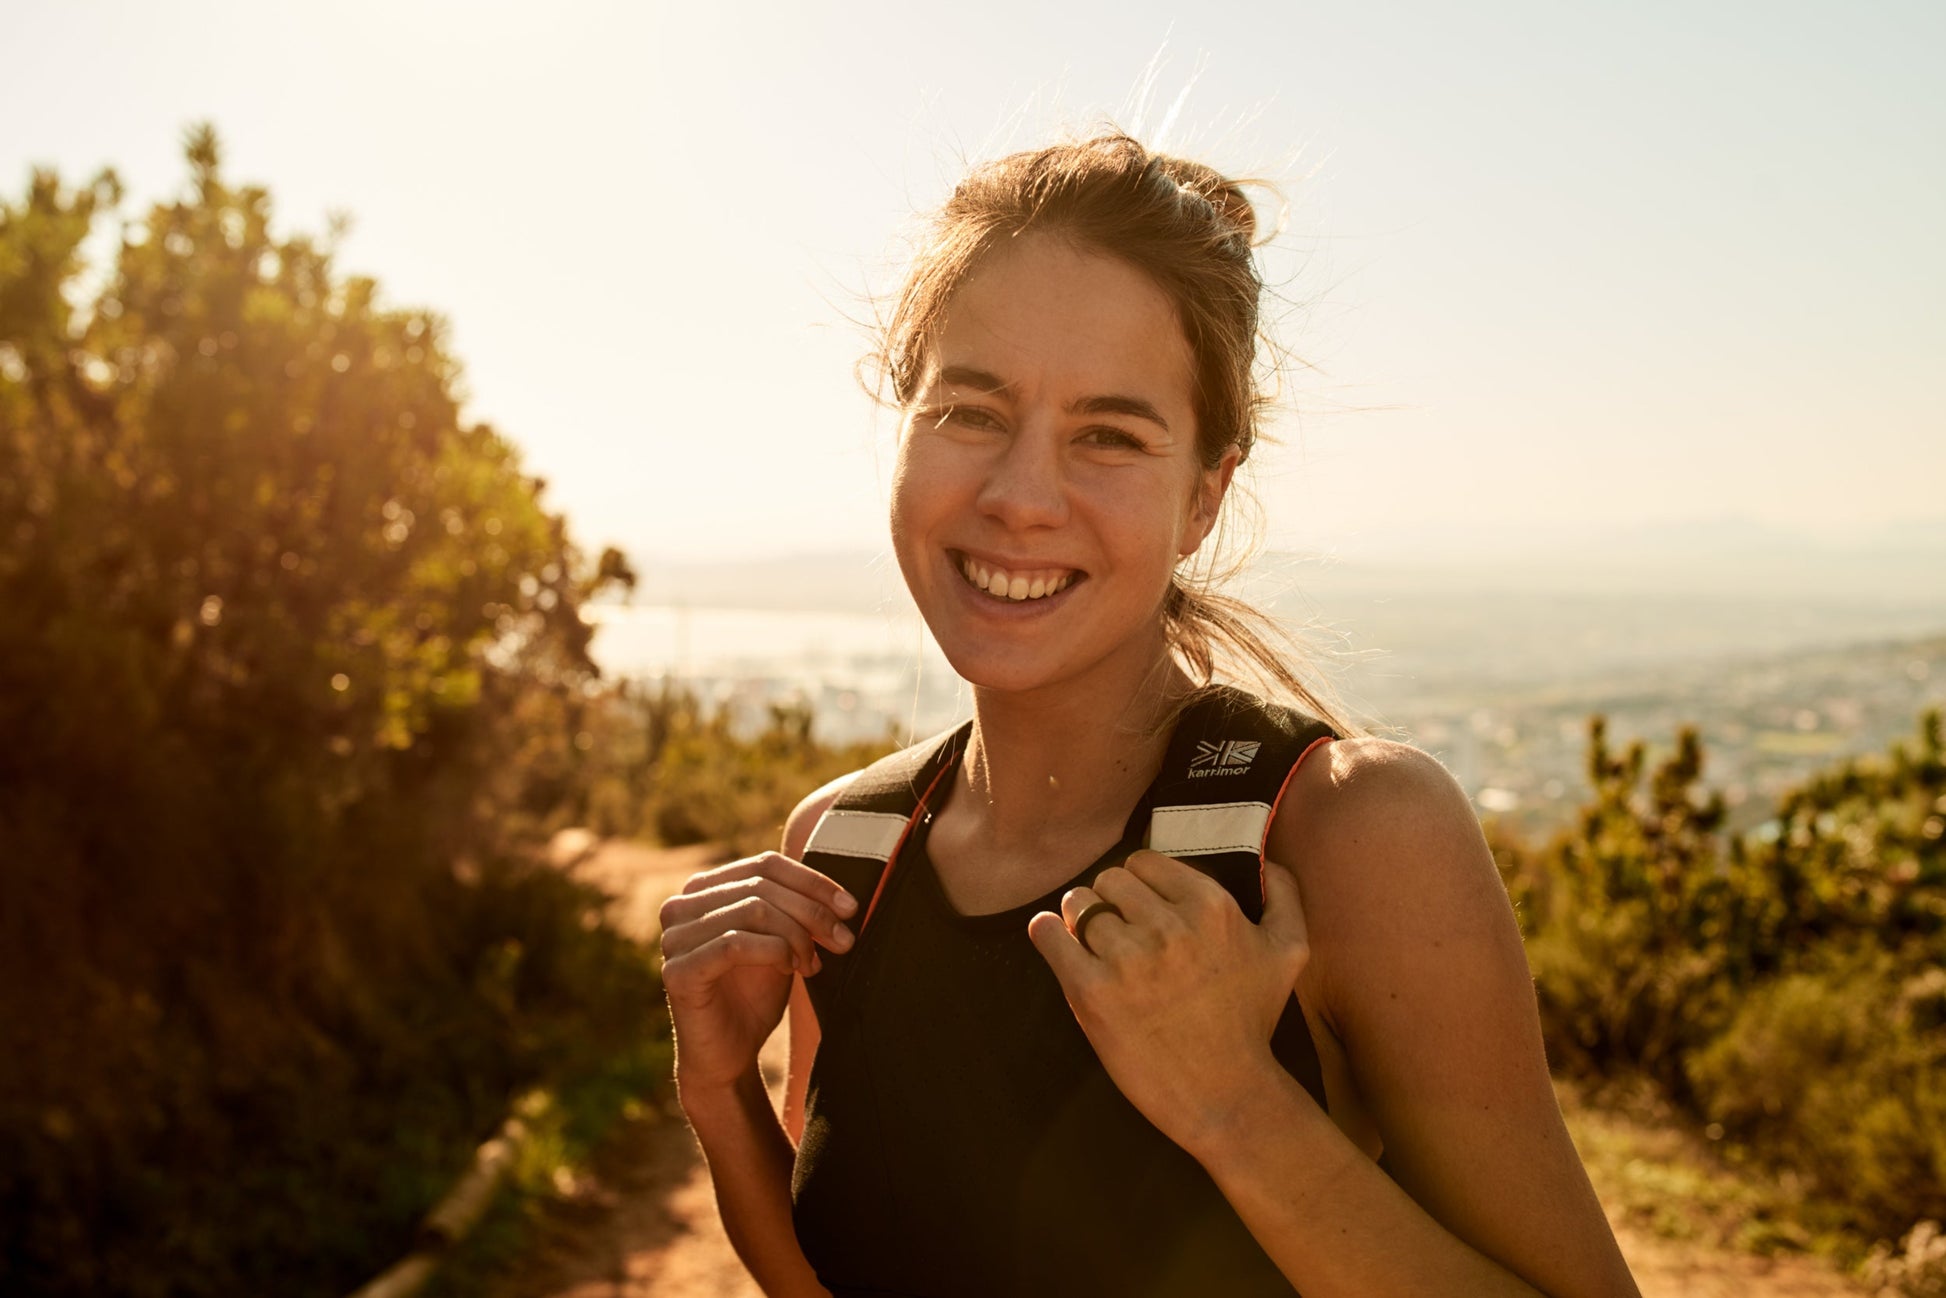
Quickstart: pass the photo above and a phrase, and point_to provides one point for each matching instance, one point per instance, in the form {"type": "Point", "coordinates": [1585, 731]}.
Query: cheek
{"type": "Point", "coordinates": [1147, 514]}
{"type": "Point", "coordinates": [920, 499]}
{"type": "Point", "coordinates": [908, 495]}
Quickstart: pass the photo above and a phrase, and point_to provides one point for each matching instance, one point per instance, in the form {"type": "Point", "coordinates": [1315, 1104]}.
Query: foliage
{"type": "Point", "coordinates": [1786, 986]}
{"type": "Point", "coordinates": [558, 1173]}
{"type": "Point", "coordinates": [1915, 1268]}
{"type": "Point", "coordinates": [668, 767]}
{"type": "Point", "coordinates": [1616, 905]}
{"type": "Point", "coordinates": [291, 669]}
{"type": "Point", "coordinates": [1664, 1175]}
{"type": "Point", "coordinates": [1840, 1074]}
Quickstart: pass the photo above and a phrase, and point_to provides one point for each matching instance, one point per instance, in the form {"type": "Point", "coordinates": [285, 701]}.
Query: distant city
{"type": "Point", "coordinates": [1767, 722]}
{"type": "Point", "coordinates": [1494, 669]}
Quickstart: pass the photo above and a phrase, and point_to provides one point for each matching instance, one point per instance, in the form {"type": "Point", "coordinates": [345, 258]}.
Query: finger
{"type": "Point", "coordinates": [1284, 906]}
{"type": "Point", "coordinates": [693, 974]}
{"type": "Point", "coordinates": [1072, 965]}
{"type": "Point", "coordinates": [1075, 900]}
{"type": "Point", "coordinates": [751, 915]}
{"type": "Point", "coordinates": [819, 919]}
{"type": "Point", "coordinates": [1103, 929]}
{"type": "Point", "coordinates": [1140, 904]}
{"type": "Point", "coordinates": [1170, 878]}
{"type": "Point", "coordinates": [775, 865]}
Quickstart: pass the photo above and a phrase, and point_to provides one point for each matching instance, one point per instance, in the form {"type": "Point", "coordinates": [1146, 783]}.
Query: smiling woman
{"type": "Point", "coordinates": [1039, 447]}
{"type": "Point", "coordinates": [1135, 983]}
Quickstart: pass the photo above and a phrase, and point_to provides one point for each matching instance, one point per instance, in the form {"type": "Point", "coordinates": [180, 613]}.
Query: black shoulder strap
{"type": "Point", "coordinates": [1224, 773]}
{"type": "Point", "coordinates": [857, 840]}
{"type": "Point", "coordinates": [1222, 777]}
{"type": "Point", "coordinates": [1226, 770]}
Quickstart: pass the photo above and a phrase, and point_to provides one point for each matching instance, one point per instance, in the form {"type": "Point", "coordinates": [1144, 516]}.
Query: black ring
{"type": "Point", "coordinates": [1088, 912]}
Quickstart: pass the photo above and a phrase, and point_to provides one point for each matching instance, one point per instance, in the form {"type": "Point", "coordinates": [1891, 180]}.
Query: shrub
{"type": "Point", "coordinates": [291, 660]}
{"type": "Point", "coordinates": [1787, 985]}
{"type": "Point", "coordinates": [1840, 1074]}
{"type": "Point", "coordinates": [670, 768]}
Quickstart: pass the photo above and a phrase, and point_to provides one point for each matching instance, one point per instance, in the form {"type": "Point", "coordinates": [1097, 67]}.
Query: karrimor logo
{"type": "Point", "coordinates": [1223, 757]}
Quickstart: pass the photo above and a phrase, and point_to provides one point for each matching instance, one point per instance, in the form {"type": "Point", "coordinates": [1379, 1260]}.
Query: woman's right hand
{"type": "Point", "coordinates": [731, 941]}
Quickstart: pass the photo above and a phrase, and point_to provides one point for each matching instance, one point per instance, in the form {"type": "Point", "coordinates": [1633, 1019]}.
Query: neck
{"type": "Point", "coordinates": [1068, 757]}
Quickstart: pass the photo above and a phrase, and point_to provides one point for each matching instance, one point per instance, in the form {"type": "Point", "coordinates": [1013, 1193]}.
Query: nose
{"type": "Point", "coordinates": [1024, 487]}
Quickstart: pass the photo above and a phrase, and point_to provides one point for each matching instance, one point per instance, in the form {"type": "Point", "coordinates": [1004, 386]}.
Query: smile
{"type": "Point", "coordinates": [1016, 586]}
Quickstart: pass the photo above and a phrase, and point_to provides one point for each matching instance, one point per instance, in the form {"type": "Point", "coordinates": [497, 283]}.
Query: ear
{"type": "Point", "coordinates": [1212, 485]}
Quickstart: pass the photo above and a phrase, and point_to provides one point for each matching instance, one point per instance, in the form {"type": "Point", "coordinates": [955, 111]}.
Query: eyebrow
{"type": "Point", "coordinates": [964, 376]}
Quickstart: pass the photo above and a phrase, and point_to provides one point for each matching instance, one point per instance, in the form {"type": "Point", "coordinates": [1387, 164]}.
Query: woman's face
{"type": "Point", "coordinates": [1048, 479]}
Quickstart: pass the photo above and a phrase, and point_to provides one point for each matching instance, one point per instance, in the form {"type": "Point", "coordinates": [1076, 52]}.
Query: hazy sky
{"type": "Point", "coordinates": [1556, 265]}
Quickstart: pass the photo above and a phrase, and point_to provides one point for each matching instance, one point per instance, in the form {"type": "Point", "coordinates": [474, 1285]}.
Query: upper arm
{"type": "Point", "coordinates": [1423, 978]}
{"type": "Point", "coordinates": [802, 1022]}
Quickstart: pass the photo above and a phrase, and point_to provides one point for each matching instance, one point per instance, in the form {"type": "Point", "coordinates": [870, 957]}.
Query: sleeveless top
{"type": "Point", "coordinates": [962, 1138]}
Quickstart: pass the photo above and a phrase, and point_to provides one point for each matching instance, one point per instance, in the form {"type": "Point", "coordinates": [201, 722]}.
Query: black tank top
{"type": "Point", "coordinates": [962, 1137]}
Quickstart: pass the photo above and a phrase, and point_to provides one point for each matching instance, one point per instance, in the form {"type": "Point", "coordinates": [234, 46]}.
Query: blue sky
{"type": "Point", "coordinates": [1556, 268]}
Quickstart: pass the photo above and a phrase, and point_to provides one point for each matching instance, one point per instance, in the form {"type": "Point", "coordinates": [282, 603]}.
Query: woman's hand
{"type": "Point", "coordinates": [1179, 994]}
{"type": "Point", "coordinates": [731, 941]}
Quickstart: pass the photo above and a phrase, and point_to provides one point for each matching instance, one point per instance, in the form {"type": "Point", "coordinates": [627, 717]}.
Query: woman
{"type": "Point", "coordinates": [1056, 1063]}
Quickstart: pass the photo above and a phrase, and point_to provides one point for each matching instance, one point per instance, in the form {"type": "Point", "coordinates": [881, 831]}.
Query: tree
{"type": "Point", "coordinates": [291, 660]}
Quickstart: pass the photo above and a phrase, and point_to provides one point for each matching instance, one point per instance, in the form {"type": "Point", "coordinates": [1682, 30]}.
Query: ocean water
{"type": "Point", "coordinates": [1498, 686]}
{"type": "Point", "coordinates": [862, 673]}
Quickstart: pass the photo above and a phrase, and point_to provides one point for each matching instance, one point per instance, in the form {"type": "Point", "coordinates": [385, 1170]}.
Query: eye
{"type": "Point", "coordinates": [971, 417]}
{"type": "Point", "coordinates": [1117, 439]}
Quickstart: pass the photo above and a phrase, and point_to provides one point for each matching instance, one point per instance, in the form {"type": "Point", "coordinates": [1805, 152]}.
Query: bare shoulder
{"type": "Point", "coordinates": [1421, 975]}
{"type": "Point", "coordinates": [1365, 779]}
{"type": "Point", "coordinates": [1382, 813]}
{"type": "Point", "coordinates": [1392, 863]}
{"type": "Point", "coordinates": [804, 818]}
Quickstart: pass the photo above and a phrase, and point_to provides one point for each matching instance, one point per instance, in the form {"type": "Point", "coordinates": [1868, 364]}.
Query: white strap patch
{"type": "Point", "coordinates": [1206, 830]}
{"type": "Point", "coordinates": [871, 834]}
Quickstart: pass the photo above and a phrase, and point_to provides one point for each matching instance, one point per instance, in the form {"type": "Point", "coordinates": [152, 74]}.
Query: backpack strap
{"type": "Point", "coordinates": [1222, 779]}
{"type": "Point", "coordinates": [1223, 775]}
{"type": "Point", "coordinates": [1228, 765]}
{"type": "Point", "coordinates": [857, 840]}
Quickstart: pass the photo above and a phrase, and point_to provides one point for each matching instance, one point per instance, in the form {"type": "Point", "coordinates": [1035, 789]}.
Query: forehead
{"type": "Point", "coordinates": [1042, 313]}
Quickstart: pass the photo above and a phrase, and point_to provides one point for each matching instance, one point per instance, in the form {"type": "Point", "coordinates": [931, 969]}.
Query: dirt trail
{"type": "Point", "coordinates": [644, 1221]}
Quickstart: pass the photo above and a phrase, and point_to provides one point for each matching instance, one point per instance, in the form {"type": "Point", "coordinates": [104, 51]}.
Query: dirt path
{"type": "Point", "coordinates": [1666, 1268]}
{"type": "Point", "coordinates": [644, 1222]}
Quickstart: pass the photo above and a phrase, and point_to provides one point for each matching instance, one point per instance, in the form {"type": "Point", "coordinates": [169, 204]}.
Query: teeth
{"type": "Point", "coordinates": [1015, 586]}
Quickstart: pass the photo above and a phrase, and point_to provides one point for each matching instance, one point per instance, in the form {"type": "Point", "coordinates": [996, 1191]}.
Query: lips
{"type": "Point", "coordinates": [1017, 584]}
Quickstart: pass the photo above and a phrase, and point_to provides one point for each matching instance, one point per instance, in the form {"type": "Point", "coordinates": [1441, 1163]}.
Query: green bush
{"type": "Point", "coordinates": [1786, 984]}
{"type": "Point", "coordinates": [291, 668]}
{"type": "Point", "coordinates": [1839, 1073]}
{"type": "Point", "coordinates": [665, 766]}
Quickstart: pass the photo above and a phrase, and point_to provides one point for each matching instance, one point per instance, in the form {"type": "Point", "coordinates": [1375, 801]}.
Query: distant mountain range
{"type": "Point", "coordinates": [1899, 566]}
{"type": "Point", "coordinates": [1898, 562]}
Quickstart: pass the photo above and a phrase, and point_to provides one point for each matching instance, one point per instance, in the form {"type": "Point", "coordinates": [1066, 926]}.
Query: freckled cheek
{"type": "Point", "coordinates": [1145, 518]}
{"type": "Point", "coordinates": [928, 482]}
{"type": "Point", "coordinates": [924, 498]}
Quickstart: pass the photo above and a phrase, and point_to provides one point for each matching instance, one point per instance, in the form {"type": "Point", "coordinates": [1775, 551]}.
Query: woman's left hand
{"type": "Point", "coordinates": [1178, 994]}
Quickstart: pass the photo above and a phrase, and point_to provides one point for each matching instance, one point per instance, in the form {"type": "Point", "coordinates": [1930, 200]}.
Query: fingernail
{"type": "Point", "coordinates": [846, 903]}
{"type": "Point", "coordinates": [817, 962]}
{"type": "Point", "coordinates": [841, 937]}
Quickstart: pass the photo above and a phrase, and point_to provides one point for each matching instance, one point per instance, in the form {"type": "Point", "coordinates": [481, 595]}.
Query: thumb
{"type": "Point", "coordinates": [1283, 906]}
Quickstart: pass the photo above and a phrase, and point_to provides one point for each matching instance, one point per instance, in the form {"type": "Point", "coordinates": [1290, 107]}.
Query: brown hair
{"type": "Point", "coordinates": [1192, 231]}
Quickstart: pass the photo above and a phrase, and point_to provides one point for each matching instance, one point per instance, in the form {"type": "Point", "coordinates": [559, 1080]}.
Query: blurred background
{"type": "Point", "coordinates": [434, 466]}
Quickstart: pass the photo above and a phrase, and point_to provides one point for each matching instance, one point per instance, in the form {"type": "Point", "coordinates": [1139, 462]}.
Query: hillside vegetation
{"type": "Point", "coordinates": [1786, 987]}
{"type": "Point", "coordinates": [291, 673]}
{"type": "Point", "coordinates": [294, 681]}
